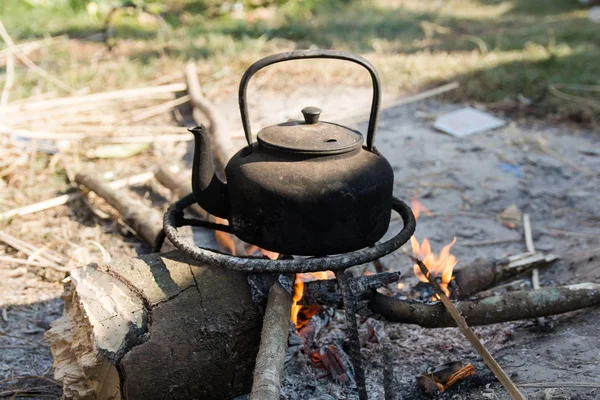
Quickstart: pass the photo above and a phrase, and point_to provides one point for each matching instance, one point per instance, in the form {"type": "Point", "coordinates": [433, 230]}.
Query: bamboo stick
{"type": "Point", "coordinates": [470, 335]}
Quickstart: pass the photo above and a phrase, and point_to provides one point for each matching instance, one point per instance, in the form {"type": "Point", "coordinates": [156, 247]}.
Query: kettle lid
{"type": "Point", "coordinates": [310, 136]}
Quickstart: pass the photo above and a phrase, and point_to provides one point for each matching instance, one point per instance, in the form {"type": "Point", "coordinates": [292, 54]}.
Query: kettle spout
{"type": "Point", "coordinates": [210, 192]}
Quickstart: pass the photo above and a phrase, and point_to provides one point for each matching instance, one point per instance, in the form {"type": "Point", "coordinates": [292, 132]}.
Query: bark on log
{"type": "Point", "coordinates": [273, 344]}
{"type": "Point", "coordinates": [508, 307]}
{"type": "Point", "coordinates": [155, 327]}
{"type": "Point", "coordinates": [484, 274]}
{"type": "Point", "coordinates": [511, 306]}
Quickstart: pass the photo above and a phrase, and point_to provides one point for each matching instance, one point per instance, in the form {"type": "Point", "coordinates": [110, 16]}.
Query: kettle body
{"type": "Point", "coordinates": [305, 187]}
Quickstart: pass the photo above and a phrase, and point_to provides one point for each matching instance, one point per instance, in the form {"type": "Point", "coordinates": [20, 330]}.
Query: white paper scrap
{"type": "Point", "coordinates": [467, 121]}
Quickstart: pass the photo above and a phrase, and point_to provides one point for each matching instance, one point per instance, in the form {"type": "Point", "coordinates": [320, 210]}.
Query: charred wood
{"type": "Point", "coordinates": [508, 307]}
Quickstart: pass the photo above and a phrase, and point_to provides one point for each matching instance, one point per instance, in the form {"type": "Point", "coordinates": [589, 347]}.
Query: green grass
{"type": "Point", "coordinates": [499, 50]}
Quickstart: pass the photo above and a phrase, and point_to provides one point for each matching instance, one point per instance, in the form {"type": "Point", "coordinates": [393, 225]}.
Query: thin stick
{"type": "Point", "coordinates": [12, 260]}
{"type": "Point", "coordinates": [10, 75]}
{"type": "Point", "coordinates": [388, 369]}
{"type": "Point", "coordinates": [96, 98]}
{"type": "Point", "coordinates": [535, 273]}
{"type": "Point", "coordinates": [184, 136]}
{"type": "Point", "coordinates": [49, 257]}
{"type": "Point", "coordinates": [527, 233]}
{"type": "Point", "coordinates": [15, 50]}
{"type": "Point", "coordinates": [223, 148]}
{"type": "Point", "coordinates": [66, 198]}
{"type": "Point", "coordinates": [561, 384]}
{"type": "Point", "coordinates": [145, 221]}
{"type": "Point", "coordinates": [268, 371]}
{"type": "Point", "coordinates": [470, 335]}
{"type": "Point", "coordinates": [152, 111]}
{"type": "Point", "coordinates": [489, 242]}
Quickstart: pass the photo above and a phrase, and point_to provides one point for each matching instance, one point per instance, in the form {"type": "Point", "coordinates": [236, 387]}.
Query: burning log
{"type": "Point", "coordinates": [511, 306]}
{"type": "Point", "coordinates": [466, 330]}
{"type": "Point", "coordinates": [164, 328]}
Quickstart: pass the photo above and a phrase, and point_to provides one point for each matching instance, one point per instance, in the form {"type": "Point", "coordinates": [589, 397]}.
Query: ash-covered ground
{"type": "Point", "coordinates": [546, 171]}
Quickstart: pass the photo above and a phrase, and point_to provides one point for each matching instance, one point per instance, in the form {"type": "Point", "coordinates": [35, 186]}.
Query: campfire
{"type": "Point", "coordinates": [440, 265]}
{"type": "Point", "coordinates": [301, 314]}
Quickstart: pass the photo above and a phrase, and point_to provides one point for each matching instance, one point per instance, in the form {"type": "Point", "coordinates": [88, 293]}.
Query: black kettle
{"type": "Point", "coordinates": [305, 187]}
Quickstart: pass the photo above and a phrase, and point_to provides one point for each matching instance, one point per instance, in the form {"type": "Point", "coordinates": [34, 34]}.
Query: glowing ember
{"type": "Point", "coordinates": [440, 265]}
{"type": "Point", "coordinates": [301, 314]}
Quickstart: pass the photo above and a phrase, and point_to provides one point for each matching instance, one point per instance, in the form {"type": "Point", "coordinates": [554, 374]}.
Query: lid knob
{"type": "Point", "coordinates": [311, 114]}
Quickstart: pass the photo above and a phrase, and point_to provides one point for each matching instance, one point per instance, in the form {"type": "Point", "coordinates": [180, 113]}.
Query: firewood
{"type": "Point", "coordinates": [268, 371]}
{"type": "Point", "coordinates": [484, 274]}
{"type": "Point", "coordinates": [511, 306]}
{"type": "Point", "coordinates": [180, 187]}
{"type": "Point", "coordinates": [223, 148]}
{"type": "Point", "coordinates": [145, 221]}
{"type": "Point", "coordinates": [155, 327]}
{"type": "Point", "coordinates": [466, 330]}
{"type": "Point", "coordinates": [66, 198]}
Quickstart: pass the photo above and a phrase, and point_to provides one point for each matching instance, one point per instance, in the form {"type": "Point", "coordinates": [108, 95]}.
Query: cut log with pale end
{"type": "Point", "coordinates": [484, 274]}
{"type": "Point", "coordinates": [155, 327]}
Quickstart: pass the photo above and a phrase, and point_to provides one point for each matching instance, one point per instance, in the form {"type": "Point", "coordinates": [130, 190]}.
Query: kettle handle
{"type": "Point", "coordinates": [305, 54]}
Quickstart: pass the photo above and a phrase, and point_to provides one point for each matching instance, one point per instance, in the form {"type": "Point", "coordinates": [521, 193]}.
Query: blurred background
{"type": "Point", "coordinates": [506, 54]}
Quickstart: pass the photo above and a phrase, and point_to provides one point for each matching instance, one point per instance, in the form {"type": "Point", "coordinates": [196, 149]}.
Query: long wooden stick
{"type": "Point", "coordinates": [182, 136]}
{"type": "Point", "coordinates": [180, 187]}
{"type": "Point", "coordinates": [406, 100]}
{"type": "Point", "coordinates": [51, 258]}
{"type": "Point", "coordinates": [535, 273]}
{"type": "Point", "coordinates": [158, 109]}
{"type": "Point", "coordinates": [96, 98]}
{"type": "Point", "coordinates": [19, 54]}
{"type": "Point", "coordinates": [8, 84]}
{"type": "Point", "coordinates": [145, 221]}
{"type": "Point", "coordinates": [12, 260]}
{"type": "Point", "coordinates": [268, 371]}
{"type": "Point", "coordinates": [223, 148]}
{"type": "Point", "coordinates": [470, 335]}
{"type": "Point", "coordinates": [66, 198]}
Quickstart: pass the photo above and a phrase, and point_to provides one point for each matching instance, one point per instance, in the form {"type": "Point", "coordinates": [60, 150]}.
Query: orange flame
{"type": "Point", "coordinates": [224, 238]}
{"type": "Point", "coordinates": [304, 312]}
{"type": "Point", "coordinates": [418, 208]}
{"type": "Point", "coordinates": [300, 314]}
{"type": "Point", "coordinates": [441, 265]}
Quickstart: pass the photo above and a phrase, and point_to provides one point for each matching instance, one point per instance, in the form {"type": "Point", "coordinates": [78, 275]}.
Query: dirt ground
{"type": "Point", "coordinates": [549, 172]}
